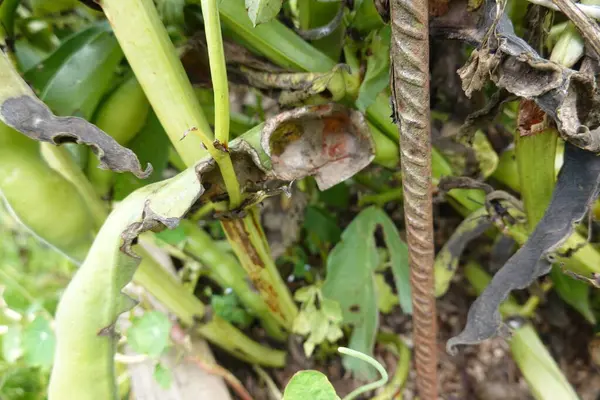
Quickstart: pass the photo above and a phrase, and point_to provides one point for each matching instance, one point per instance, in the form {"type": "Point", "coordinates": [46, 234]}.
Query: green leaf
{"type": "Point", "coordinates": [74, 78]}
{"type": "Point", "coordinates": [163, 376]}
{"type": "Point", "coordinates": [229, 308]}
{"type": "Point", "coordinates": [575, 293]}
{"type": "Point", "coordinates": [150, 333]}
{"type": "Point", "coordinates": [350, 279]}
{"type": "Point", "coordinates": [336, 196]}
{"type": "Point", "coordinates": [386, 300]}
{"type": "Point", "coordinates": [322, 225]}
{"type": "Point", "coordinates": [45, 7]}
{"type": "Point", "coordinates": [172, 236]}
{"type": "Point", "coordinates": [39, 343]}
{"type": "Point", "coordinates": [261, 11]}
{"type": "Point", "coordinates": [311, 385]}
{"type": "Point", "coordinates": [151, 145]}
{"type": "Point", "coordinates": [377, 76]}
{"type": "Point", "coordinates": [12, 349]}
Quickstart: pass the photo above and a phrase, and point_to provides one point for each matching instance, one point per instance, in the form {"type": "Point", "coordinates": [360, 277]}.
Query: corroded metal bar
{"type": "Point", "coordinates": [410, 90]}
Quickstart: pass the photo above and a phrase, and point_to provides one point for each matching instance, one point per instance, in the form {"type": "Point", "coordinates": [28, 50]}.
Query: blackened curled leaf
{"type": "Point", "coordinates": [576, 188]}
{"type": "Point", "coordinates": [329, 142]}
{"type": "Point", "coordinates": [569, 97]}
{"type": "Point", "coordinates": [33, 118]}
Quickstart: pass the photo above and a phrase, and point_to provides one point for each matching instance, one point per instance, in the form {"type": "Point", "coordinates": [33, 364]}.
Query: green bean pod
{"type": "Point", "coordinates": [31, 189]}
{"type": "Point", "coordinates": [122, 116]}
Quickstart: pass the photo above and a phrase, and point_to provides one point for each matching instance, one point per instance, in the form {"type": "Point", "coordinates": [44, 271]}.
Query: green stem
{"type": "Point", "coordinates": [402, 369]}
{"type": "Point", "coordinates": [370, 360]}
{"type": "Point", "coordinates": [218, 71]}
{"type": "Point", "coordinates": [535, 162]}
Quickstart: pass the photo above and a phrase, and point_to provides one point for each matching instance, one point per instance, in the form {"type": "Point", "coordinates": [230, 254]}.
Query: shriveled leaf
{"type": "Point", "coordinates": [312, 385]}
{"type": "Point", "coordinates": [447, 259]}
{"type": "Point", "coordinates": [567, 96]}
{"type": "Point", "coordinates": [39, 343]}
{"type": "Point", "coordinates": [149, 334]}
{"type": "Point", "coordinates": [576, 188]}
{"type": "Point", "coordinates": [261, 11]}
{"type": "Point", "coordinates": [377, 76]}
{"type": "Point", "coordinates": [21, 110]}
{"type": "Point", "coordinates": [350, 280]}
{"type": "Point", "coordinates": [328, 142]}
{"type": "Point", "coordinates": [290, 88]}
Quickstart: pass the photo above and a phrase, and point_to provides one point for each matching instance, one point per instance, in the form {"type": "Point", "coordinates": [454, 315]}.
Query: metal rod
{"type": "Point", "coordinates": [410, 91]}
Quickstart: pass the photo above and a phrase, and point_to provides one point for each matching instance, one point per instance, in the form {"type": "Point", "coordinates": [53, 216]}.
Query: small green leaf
{"type": "Point", "coordinates": [332, 310]}
{"type": "Point", "coordinates": [377, 76]}
{"type": "Point", "coordinates": [311, 385]}
{"type": "Point", "coordinates": [38, 343]}
{"type": "Point", "coordinates": [301, 324]}
{"type": "Point", "coordinates": [163, 376]}
{"type": "Point", "coordinates": [149, 334]}
{"type": "Point", "coordinates": [261, 11]}
{"type": "Point", "coordinates": [229, 308]}
{"type": "Point", "coordinates": [11, 344]}
{"type": "Point", "coordinates": [386, 300]}
{"type": "Point", "coordinates": [306, 294]}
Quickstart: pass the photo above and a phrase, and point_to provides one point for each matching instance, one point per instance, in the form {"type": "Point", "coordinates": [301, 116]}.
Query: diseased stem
{"type": "Point", "coordinates": [154, 61]}
{"type": "Point", "coordinates": [410, 90]}
{"type": "Point", "coordinates": [218, 72]}
{"type": "Point", "coordinates": [249, 243]}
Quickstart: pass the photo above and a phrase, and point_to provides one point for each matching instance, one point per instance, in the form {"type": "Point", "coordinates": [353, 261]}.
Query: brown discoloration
{"type": "Point", "coordinates": [237, 233]}
{"type": "Point", "coordinates": [531, 119]}
{"type": "Point", "coordinates": [328, 142]}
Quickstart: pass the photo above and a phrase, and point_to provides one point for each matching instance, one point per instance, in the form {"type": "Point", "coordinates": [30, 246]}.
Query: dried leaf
{"type": "Point", "coordinates": [568, 96]}
{"type": "Point", "coordinates": [328, 142]}
{"type": "Point", "coordinates": [21, 110]}
{"type": "Point", "coordinates": [576, 188]}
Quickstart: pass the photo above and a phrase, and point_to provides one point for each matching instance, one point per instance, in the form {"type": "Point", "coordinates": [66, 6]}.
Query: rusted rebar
{"type": "Point", "coordinates": [410, 90]}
